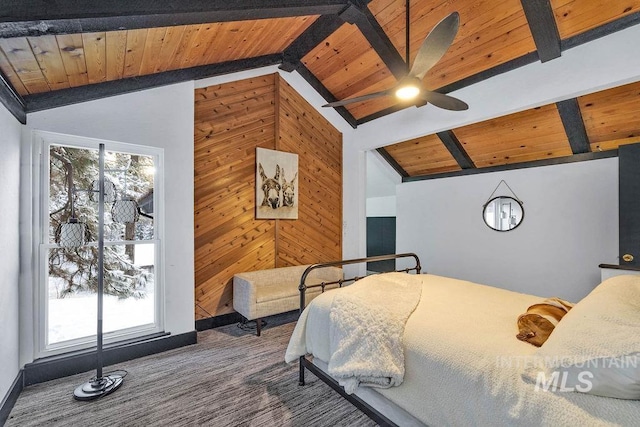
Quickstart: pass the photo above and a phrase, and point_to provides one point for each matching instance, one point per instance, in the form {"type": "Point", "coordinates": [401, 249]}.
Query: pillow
{"type": "Point", "coordinates": [596, 347]}
{"type": "Point", "coordinates": [538, 322]}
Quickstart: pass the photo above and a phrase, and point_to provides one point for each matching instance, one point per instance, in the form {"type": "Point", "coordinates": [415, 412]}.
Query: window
{"type": "Point", "coordinates": [67, 283]}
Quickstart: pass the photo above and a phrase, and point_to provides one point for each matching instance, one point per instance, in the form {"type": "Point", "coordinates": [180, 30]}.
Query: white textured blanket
{"type": "Point", "coordinates": [367, 327]}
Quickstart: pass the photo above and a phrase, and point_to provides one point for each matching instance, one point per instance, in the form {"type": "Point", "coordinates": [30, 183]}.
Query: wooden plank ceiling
{"type": "Point", "coordinates": [344, 48]}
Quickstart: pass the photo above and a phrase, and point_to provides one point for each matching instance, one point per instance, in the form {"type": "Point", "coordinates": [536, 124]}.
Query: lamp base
{"type": "Point", "coordinates": [98, 387]}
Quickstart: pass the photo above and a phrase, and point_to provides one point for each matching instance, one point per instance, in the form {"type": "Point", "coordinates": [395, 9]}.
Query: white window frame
{"type": "Point", "coordinates": [41, 143]}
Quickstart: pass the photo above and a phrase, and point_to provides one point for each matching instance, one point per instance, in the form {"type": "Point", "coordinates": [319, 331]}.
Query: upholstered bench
{"type": "Point", "coordinates": [257, 294]}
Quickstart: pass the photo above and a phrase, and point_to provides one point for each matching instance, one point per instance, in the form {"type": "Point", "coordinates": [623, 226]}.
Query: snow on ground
{"type": "Point", "coordinates": [76, 317]}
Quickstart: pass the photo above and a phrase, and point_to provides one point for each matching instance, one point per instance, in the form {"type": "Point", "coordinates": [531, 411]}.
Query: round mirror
{"type": "Point", "coordinates": [503, 213]}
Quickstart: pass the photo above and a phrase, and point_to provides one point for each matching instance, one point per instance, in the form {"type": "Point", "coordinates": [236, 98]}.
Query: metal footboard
{"type": "Point", "coordinates": [305, 363]}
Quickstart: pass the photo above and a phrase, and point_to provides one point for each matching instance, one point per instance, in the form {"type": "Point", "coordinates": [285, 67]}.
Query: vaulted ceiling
{"type": "Point", "coordinates": [54, 53]}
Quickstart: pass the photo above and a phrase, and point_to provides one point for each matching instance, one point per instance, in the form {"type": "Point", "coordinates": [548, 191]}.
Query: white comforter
{"type": "Point", "coordinates": [463, 364]}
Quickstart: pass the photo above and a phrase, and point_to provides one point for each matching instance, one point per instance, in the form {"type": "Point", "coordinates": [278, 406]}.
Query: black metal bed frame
{"type": "Point", "coordinates": [306, 363]}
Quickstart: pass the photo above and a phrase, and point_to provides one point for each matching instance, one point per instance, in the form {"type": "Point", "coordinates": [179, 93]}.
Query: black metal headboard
{"type": "Point", "coordinates": [303, 285]}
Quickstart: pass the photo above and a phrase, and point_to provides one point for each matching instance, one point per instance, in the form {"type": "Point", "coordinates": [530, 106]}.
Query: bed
{"type": "Point", "coordinates": [464, 366]}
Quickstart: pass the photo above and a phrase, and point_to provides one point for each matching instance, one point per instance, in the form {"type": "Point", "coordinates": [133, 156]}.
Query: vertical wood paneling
{"type": "Point", "coordinates": [231, 120]}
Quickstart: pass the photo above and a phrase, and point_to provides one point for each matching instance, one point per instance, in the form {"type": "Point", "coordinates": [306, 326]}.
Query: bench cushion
{"type": "Point", "coordinates": [273, 291]}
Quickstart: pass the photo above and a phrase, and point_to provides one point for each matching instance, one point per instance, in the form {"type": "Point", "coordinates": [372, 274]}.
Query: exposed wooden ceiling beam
{"type": "Point", "coordinates": [12, 101]}
{"type": "Point", "coordinates": [594, 155]}
{"type": "Point", "coordinates": [574, 125]}
{"type": "Point", "coordinates": [543, 27]}
{"type": "Point", "coordinates": [322, 28]}
{"type": "Point", "coordinates": [20, 18]}
{"type": "Point", "coordinates": [44, 101]}
{"type": "Point", "coordinates": [359, 14]}
{"type": "Point", "coordinates": [392, 162]}
{"type": "Point", "coordinates": [456, 149]}
{"type": "Point", "coordinates": [325, 93]}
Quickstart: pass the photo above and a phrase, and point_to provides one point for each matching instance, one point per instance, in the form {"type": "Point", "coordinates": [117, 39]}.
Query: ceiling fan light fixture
{"type": "Point", "coordinates": [407, 92]}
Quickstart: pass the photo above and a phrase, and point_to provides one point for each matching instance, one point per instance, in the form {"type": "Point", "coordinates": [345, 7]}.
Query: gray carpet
{"type": "Point", "coordinates": [230, 378]}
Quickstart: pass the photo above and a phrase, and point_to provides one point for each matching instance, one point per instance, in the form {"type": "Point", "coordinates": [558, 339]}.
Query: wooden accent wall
{"type": "Point", "coordinates": [231, 121]}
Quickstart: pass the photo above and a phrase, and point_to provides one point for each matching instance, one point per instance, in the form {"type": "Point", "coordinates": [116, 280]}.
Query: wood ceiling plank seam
{"type": "Point", "coordinates": [224, 41]}
{"type": "Point", "coordinates": [336, 51]}
{"type": "Point", "coordinates": [116, 45]}
{"type": "Point", "coordinates": [269, 36]}
{"type": "Point", "coordinates": [288, 30]}
{"type": "Point", "coordinates": [344, 55]}
{"type": "Point", "coordinates": [182, 49]}
{"type": "Point", "coordinates": [136, 40]}
{"type": "Point", "coordinates": [18, 52]}
{"type": "Point", "coordinates": [209, 35]}
{"type": "Point", "coordinates": [10, 76]}
{"type": "Point", "coordinates": [377, 38]}
{"type": "Point", "coordinates": [95, 55]}
{"type": "Point", "coordinates": [72, 54]}
{"type": "Point", "coordinates": [194, 38]}
{"type": "Point", "coordinates": [494, 30]}
{"type": "Point", "coordinates": [392, 162]}
{"type": "Point", "coordinates": [359, 81]}
{"type": "Point", "coordinates": [569, 112]}
{"type": "Point", "coordinates": [47, 53]}
{"type": "Point", "coordinates": [318, 31]}
{"type": "Point", "coordinates": [170, 45]}
{"type": "Point", "coordinates": [496, 51]}
{"type": "Point", "coordinates": [251, 37]}
{"type": "Point", "coordinates": [152, 47]}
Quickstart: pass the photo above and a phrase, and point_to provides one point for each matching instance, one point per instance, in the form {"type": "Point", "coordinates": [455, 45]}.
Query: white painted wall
{"type": "Point", "coordinates": [570, 226]}
{"type": "Point", "coordinates": [161, 117]}
{"type": "Point", "coordinates": [10, 130]}
{"type": "Point", "coordinates": [604, 63]}
{"type": "Point", "coordinates": [381, 186]}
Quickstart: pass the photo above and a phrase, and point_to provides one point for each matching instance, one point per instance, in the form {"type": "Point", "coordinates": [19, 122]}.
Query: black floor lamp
{"type": "Point", "coordinates": [73, 236]}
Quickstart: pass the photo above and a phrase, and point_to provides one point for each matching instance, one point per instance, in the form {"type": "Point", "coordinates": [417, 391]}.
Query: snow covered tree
{"type": "Point", "coordinates": [73, 172]}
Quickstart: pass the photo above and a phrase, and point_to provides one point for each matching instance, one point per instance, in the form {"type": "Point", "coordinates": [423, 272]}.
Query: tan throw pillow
{"type": "Point", "coordinates": [538, 322]}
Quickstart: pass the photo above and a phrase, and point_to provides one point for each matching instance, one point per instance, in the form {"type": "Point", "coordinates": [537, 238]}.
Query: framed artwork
{"type": "Point", "coordinates": [276, 184]}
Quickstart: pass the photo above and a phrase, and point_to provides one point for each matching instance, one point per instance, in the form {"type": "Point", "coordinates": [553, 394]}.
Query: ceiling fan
{"type": "Point", "coordinates": [410, 88]}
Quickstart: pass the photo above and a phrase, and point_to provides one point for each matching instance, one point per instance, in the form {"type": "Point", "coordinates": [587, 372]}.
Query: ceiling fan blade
{"type": "Point", "coordinates": [435, 45]}
{"type": "Point", "coordinates": [358, 99]}
{"type": "Point", "coordinates": [443, 101]}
